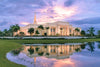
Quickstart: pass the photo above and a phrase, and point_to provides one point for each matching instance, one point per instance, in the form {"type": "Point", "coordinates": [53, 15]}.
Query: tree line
{"type": "Point", "coordinates": [15, 28]}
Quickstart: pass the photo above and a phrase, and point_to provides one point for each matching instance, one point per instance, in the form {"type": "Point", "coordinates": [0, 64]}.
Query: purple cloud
{"type": "Point", "coordinates": [19, 11]}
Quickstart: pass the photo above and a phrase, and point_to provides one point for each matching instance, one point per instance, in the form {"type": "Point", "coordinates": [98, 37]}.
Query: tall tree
{"type": "Point", "coordinates": [83, 33]}
{"type": "Point", "coordinates": [91, 31]}
{"type": "Point", "coordinates": [10, 32]}
{"type": "Point", "coordinates": [31, 31]}
{"type": "Point", "coordinates": [5, 32]}
{"type": "Point", "coordinates": [77, 30]}
{"type": "Point", "coordinates": [99, 33]}
{"type": "Point", "coordinates": [41, 27]}
{"type": "Point", "coordinates": [1, 33]}
{"type": "Point", "coordinates": [37, 32]}
{"type": "Point", "coordinates": [15, 28]}
{"type": "Point", "coordinates": [47, 30]}
{"type": "Point", "coordinates": [21, 34]}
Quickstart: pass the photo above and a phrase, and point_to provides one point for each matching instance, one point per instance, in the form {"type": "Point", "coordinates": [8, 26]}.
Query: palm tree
{"type": "Point", "coordinates": [83, 33]}
{"type": "Point", "coordinates": [61, 30]}
{"type": "Point", "coordinates": [37, 32]}
{"type": "Point", "coordinates": [47, 30]}
{"type": "Point", "coordinates": [21, 34]}
{"type": "Point", "coordinates": [99, 33]}
{"type": "Point", "coordinates": [1, 33]}
{"type": "Point", "coordinates": [15, 28]}
{"type": "Point", "coordinates": [91, 31]}
{"type": "Point", "coordinates": [10, 32]}
{"type": "Point", "coordinates": [41, 27]}
{"type": "Point", "coordinates": [5, 32]}
{"type": "Point", "coordinates": [77, 30]}
{"type": "Point", "coordinates": [31, 31]}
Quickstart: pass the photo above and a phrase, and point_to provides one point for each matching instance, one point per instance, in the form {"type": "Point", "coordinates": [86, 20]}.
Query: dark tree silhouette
{"type": "Point", "coordinates": [31, 31]}
{"type": "Point", "coordinates": [91, 31]}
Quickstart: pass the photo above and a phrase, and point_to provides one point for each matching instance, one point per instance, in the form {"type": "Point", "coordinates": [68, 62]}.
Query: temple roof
{"type": "Point", "coordinates": [47, 24]}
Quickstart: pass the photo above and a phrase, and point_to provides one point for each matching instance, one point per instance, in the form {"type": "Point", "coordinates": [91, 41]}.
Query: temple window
{"type": "Point", "coordinates": [51, 29]}
{"type": "Point", "coordinates": [70, 30]}
{"type": "Point", "coordinates": [51, 50]}
{"type": "Point", "coordinates": [54, 50]}
{"type": "Point", "coordinates": [54, 30]}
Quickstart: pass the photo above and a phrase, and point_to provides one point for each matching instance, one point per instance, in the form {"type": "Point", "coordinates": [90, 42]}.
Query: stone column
{"type": "Point", "coordinates": [49, 31]}
{"type": "Point", "coordinates": [68, 30]}
{"type": "Point", "coordinates": [58, 29]}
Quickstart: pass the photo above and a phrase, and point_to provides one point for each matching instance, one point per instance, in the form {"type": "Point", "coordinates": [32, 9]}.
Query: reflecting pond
{"type": "Point", "coordinates": [57, 55]}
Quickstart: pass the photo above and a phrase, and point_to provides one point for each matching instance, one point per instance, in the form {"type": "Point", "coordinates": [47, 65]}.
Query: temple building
{"type": "Point", "coordinates": [58, 28]}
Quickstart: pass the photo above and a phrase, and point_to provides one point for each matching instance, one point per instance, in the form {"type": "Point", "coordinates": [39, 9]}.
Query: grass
{"type": "Point", "coordinates": [50, 41]}
{"type": "Point", "coordinates": [8, 45]}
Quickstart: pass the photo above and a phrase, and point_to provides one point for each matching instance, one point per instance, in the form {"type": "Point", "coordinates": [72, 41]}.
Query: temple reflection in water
{"type": "Point", "coordinates": [57, 55]}
{"type": "Point", "coordinates": [51, 51]}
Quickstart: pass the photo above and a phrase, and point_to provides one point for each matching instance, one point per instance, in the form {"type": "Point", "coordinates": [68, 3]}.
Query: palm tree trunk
{"type": "Point", "coordinates": [61, 33]}
{"type": "Point", "coordinates": [30, 34]}
{"type": "Point", "coordinates": [13, 34]}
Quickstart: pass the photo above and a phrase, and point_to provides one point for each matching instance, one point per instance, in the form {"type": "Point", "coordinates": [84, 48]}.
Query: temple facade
{"type": "Point", "coordinates": [59, 28]}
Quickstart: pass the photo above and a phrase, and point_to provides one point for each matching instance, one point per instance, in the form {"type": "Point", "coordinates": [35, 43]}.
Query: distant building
{"type": "Point", "coordinates": [57, 28]}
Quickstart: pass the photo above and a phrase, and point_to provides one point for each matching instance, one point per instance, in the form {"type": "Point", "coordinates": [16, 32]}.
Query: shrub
{"type": "Point", "coordinates": [47, 54]}
{"type": "Point", "coordinates": [77, 50]}
{"type": "Point", "coordinates": [45, 46]}
{"type": "Point", "coordinates": [16, 51]}
{"type": "Point", "coordinates": [45, 34]}
{"type": "Point", "coordinates": [61, 52]}
{"type": "Point", "coordinates": [37, 49]}
{"type": "Point", "coordinates": [41, 54]}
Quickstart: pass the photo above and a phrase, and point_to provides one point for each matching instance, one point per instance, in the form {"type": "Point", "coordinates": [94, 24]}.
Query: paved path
{"type": "Point", "coordinates": [43, 37]}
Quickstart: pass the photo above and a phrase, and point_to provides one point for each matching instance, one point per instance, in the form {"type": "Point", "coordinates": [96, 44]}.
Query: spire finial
{"type": "Point", "coordinates": [35, 18]}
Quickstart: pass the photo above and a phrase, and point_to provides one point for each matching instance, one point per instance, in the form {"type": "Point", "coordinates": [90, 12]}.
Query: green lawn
{"type": "Point", "coordinates": [8, 45]}
{"type": "Point", "coordinates": [61, 41]}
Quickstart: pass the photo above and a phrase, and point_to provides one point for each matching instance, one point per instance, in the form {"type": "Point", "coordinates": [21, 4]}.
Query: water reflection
{"type": "Point", "coordinates": [91, 46]}
{"type": "Point", "coordinates": [58, 55]}
{"type": "Point", "coordinates": [98, 45]}
{"type": "Point", "coordinates": [52, 51]}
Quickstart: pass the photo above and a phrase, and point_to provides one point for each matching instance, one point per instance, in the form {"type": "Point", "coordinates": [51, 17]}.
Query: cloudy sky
{"type": "Point", "coordinates": [80, 13]}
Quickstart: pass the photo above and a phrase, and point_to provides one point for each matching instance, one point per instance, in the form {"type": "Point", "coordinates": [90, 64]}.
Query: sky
{"type": "Point", "coordinates": [79, 13]}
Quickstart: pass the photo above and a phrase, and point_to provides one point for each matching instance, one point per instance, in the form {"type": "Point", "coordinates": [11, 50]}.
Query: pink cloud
{"type": "Point", "coordinates": [24, 23]}
{"type": "Point", "coordinates": [55, 13]}
{"type": "Point", "coordinates": [64, 63]}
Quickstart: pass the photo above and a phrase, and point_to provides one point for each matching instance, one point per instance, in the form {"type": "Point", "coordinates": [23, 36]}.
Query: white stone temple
{"type": "Point", "coordinates": [58, 28]}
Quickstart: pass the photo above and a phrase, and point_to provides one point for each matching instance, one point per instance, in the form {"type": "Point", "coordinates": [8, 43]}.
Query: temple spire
{"type": "Point", "coordinates": [35, 19]}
